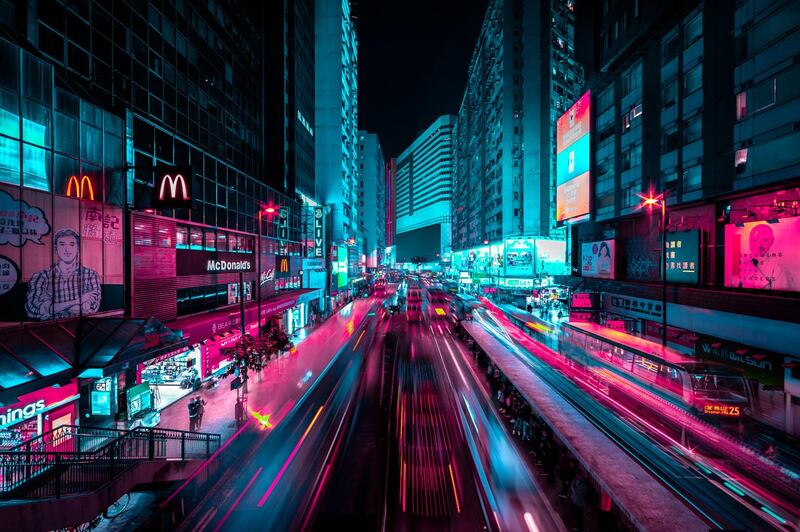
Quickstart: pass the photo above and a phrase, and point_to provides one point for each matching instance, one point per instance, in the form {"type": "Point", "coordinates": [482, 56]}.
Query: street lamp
{"type": "Point", "coordinates": [651, 201]}
{"type": "Point", "coordinates": [270, 211]}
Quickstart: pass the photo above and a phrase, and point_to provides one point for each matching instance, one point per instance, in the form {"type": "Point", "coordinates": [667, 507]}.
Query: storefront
{"type": "Point", "coordinates": [171, 376]}
{"type": "Point", "coordinates": [38, 412]}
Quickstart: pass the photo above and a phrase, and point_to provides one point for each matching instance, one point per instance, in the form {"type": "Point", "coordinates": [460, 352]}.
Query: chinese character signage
{"type": "Point", "coordinates": [173, 187]}
{"type": "Point", "coordinates": [60, 257]}
{"type": "Point", "coordinates": [582, 300]}
{"type": "Point", "coordinates": [318, 250]}
{"type": "Point", "coordinates": [683, 256]}
{"type": "Point", "coordinates": [283, 223]}
{"type": "Point", "coordinates": [572, 161]}
{"type": "Point", "coordinates": [763, 255]}
{"type": "Point", "coordinates": [597, 259]}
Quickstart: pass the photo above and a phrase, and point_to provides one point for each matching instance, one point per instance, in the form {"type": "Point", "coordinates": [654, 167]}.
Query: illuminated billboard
{"type": "Point", "coordinates": [597, 259]}
{"type": "Point", "coordinates": [519, 257]}
{"type": "Point", "coordinates": [763, 255]}
{"type": "Point", "coordinates": [572, 161]}
{"type": "Point", "coordinates": [60, 257]}
{"type": "Point", "coordinates": [683, 256]}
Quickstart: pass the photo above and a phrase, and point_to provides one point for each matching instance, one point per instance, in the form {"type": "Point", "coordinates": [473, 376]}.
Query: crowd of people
{"type": "Point", "coordinates": [555, 462]}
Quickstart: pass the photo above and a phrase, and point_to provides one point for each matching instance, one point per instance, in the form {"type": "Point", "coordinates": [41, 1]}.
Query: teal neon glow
{"type": "Point", "coordinates": [777, 517]}
{"type": "Point", "coordinates": [734, 488]}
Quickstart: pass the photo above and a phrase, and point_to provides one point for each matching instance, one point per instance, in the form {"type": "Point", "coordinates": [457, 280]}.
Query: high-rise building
{"type": "Point", "coordinates": [336, 134]}
{"type": "Point", "coordinates": [521, 76]}
{"type": "Point", "coordinates": [372, 197]}
{"type": "Point", "coordinates": [424, 184]}
{"type": "Point", "coordinates": [131, 148]}
{"type": "Point", "coordinates": [696, 102]}
{"type": "Point", "coordinates": [289, 125]}
{"type": "Point", "coordinates": [391, 173]}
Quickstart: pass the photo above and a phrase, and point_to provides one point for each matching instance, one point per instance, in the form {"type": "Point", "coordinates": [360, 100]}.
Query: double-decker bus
{"type": "Point", "coordinates": [414, 302]}
{"type": "Point", "coordinates": [438, 300]}
{"type": "Point", "coordinates": [709, 388]}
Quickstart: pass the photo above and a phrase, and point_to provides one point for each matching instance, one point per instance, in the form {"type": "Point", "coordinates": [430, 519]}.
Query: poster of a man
{"type": "Point", "coordinates": [767, 260]}
{"type": "Point", "coordinates": [66, 289]}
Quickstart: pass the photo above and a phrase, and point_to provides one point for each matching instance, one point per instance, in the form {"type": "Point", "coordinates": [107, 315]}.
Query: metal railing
{"type": "Point", "coordinates": [65, 463]}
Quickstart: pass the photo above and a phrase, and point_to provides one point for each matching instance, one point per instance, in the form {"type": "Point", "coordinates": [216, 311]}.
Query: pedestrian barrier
{"type": "Point", "coordinates": [73, 459]}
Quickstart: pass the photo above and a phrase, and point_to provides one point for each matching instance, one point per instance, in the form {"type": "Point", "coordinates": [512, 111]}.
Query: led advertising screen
{"type": "Point", "coordinates": [597, 259]}
{"type": "Point", "coordinates": [552, 256]}
{"type": "Point", "coordinates": [572, 161]}
{"type": "Point", "coordinates": [60, 257]}
{"type": "Point", "coordinates": [763, 255]}
{"type": "Point", "coordinates": [683, 256]}
{"type": "Point", "coordinates": [519, 257]}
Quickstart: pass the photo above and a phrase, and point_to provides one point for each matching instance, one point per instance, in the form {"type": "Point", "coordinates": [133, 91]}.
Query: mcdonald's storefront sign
{"type": "Point", "coordinates": [283, 266]}
{"type": "Point", "coordinates": [82, 189]}
{"type": "Point", "coordinates": [173, 187]}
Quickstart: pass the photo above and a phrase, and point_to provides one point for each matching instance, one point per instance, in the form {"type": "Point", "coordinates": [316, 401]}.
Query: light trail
{"type": "Point", "coordinates": [455, 492]}
{"type": "Point", "coordinates": [289, 460]}
{"type": "Point", "coordinates": [237, 501]}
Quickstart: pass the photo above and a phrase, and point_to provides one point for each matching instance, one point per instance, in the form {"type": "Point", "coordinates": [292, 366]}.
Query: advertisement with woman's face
{"type": "Point", "coordinates": [597, 259]}
{"type": "Point", "coordinates": [763, 255]}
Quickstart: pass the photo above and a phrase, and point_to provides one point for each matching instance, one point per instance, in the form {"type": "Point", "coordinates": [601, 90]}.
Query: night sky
{"type": "Point", "coordinates": [413, 59]}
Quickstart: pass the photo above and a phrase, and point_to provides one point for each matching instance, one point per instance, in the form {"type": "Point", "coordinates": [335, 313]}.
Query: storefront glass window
{"type": "Point", "coordinates": [210, 240]}
{"type": "Point", "coordinates": [182, 237]}
{"type": "Point", "coordinates": [195, 238]}
{"type": "Point", "coordinates": [222, 241]}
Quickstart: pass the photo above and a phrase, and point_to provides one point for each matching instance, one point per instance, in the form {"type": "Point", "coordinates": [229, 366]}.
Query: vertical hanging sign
{"type": "Point", "coordinates": [319, 233]}
{"type": "Point", "coordinates": [283, 228]}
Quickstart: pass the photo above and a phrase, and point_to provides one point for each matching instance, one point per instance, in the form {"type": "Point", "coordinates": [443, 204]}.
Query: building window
{"type": "Point", "coordinates": [669, 93]}
{"type": "Point", "coordinates": [669, 139]}
{"type": "Point", "coordinates": [765, 94]}
{"type": "Point", "coordinates": [692, 178]}
{"type": "Point", "coordinates": [741, 105]}
{"type": "Point", "coordinates": [693, 80]}
{"type": "Point", "coordinates": [740, 161]}
{"type": "Point", "coordinates": [692, 129]}
{"type": "Point", "coordinates": [693, 31]}
{"type": "Point", "coordinates": [182, 237]}
{"type": "Point", "coordinates": [670, 49]}
{"type": "Point", "coordinates": [195, 238]}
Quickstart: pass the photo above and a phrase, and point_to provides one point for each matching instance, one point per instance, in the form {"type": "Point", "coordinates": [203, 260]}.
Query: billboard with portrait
{"type": "Point", "coordinates": [763, 255]}
{"type": "Point", "coordinates": [60, 257]}
{"type": "Point", "coordinates": [597, 259]}
{"type": "Point", "coordinates": [573, 151]}
{"type": "Point", "coordinates": [519, 257]}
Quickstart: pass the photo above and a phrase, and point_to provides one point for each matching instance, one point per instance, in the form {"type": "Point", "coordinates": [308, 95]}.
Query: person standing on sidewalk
{"type": "Point", "coordinates": [192, 406]}
{"type": "Point", "coordinates": [201, 408]}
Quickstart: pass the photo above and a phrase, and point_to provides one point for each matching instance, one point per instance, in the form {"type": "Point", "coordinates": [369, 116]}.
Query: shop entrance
{"type": "Point", "coordinates": [172, 378]}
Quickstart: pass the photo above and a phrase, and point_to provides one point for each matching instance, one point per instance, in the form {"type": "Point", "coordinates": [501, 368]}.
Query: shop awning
{"type": "Point", "coordinates": [113, 344]}
{"type": "Point", "coordinates": [40, 355]}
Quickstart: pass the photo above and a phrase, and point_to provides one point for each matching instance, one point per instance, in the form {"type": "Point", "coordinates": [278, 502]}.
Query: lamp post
{"type": "Point", "coordinates": [661, 201]}
{"type": "Point", "coordinates": [270, 211]}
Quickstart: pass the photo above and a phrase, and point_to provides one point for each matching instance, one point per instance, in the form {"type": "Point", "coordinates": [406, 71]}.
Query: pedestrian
{"type": "Point", "coordinates": [578, 495]}
{"type": "Point", "coordinates": [201, 408]}
{"type": "Point", "coordinates": [192, 414]}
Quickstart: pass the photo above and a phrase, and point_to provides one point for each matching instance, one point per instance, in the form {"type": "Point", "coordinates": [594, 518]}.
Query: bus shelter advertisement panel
{"type": "Point", "coordinates": [597, 259]}
{"type": "Point", "coordinates": [572, 161]}
{"type": "Point", "coordinates": [763, 255]}
{"type": "Point", "coordinates": [60, 257]}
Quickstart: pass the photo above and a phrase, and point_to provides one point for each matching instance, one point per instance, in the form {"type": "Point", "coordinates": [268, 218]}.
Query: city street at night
{"type": "Point", "coordinates": [394, 265]}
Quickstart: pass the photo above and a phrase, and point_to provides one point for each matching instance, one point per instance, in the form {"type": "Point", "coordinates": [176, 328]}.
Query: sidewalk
{"type": "Point", "coordinates": [269, 391]}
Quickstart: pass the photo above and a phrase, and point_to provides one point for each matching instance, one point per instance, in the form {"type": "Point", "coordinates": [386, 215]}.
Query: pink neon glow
{"type": "Point", "coordinates": [699, 429]}
{"type": "Point", "coordinates": [289, 460]}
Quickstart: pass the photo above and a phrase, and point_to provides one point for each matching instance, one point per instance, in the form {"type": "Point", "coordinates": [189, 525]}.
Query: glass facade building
{"type": "Point", "coordinates": [424, 185]}
{"type": "Point", "coordinates": [372, 197]}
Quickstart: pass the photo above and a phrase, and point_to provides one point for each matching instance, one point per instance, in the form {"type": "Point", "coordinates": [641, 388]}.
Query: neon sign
{"type": "Point", "coordinates": [173, 187]}
{"type": "Point", "coordinates": [722, 410]}
{"type": "Point", "coordinates": [80, 189]}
